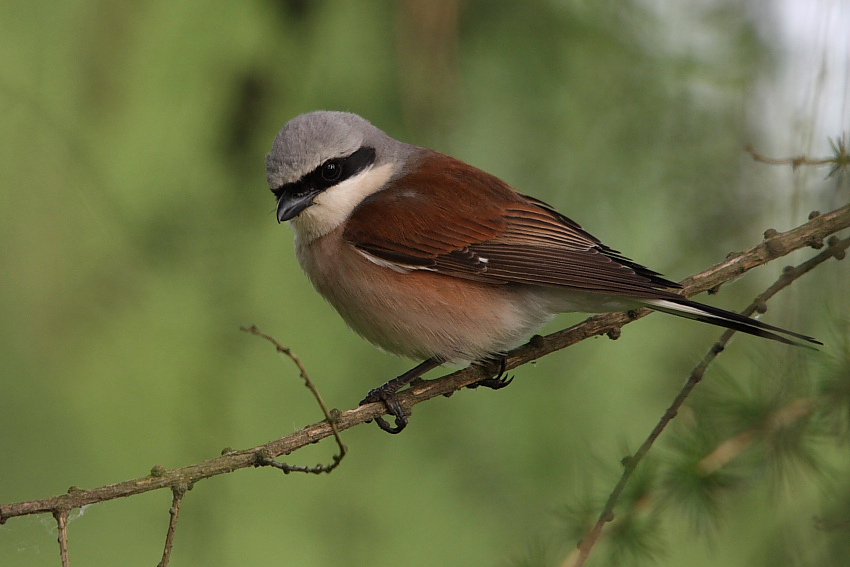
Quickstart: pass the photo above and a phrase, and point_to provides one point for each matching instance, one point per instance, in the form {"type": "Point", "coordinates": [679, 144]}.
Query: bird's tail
{"type": "Point", "coordinates": [722, 318]}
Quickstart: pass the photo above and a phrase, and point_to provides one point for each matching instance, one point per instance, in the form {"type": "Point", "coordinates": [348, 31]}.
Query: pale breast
{"type": "Point", "coordinates": [419, 314]}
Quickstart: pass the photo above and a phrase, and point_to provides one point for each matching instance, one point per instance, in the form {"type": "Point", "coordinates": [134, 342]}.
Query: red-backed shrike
{"type": "Point", "coordinates": [430, 258]}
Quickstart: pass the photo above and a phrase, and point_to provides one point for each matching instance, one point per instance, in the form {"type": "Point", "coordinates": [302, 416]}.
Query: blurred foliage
{"type": "Point", "coordinates": [138, 235]}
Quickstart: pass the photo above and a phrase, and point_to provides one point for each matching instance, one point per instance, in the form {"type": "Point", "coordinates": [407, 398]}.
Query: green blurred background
{"type": "Point", "coordinates": [138, 235]}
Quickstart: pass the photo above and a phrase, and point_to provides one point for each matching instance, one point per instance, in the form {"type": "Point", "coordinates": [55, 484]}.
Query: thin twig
{"type": "Point", "coordinates": [794, 162]}
{"type": "Point", "coordinates": [177, 493]}
{"type": "Point", "coordinates": [61, 516]}
{"type": "Point", "coordinates": [330, 416]}
{"type": "Point", "coordinates": [836, 249]}
{"type": "Point", "coordinates": [839, 160]}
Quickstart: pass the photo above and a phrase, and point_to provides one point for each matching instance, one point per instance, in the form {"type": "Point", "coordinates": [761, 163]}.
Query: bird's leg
{"type": "Point", "coordinates": [500, 380]}
{"type": "Point", "coordinates": [388, 393]}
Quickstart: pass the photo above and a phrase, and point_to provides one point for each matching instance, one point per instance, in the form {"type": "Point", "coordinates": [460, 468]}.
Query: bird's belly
{"type": "Point", "coordinates": [420, 314]}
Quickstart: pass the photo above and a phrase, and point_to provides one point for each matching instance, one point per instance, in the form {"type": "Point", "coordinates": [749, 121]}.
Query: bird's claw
{"type": "Point", "coordinates": [494, 382]}
{"type": "Point", "coordinates": [394, 408]}
{"type": "Point", "coordinates": [497, 382]}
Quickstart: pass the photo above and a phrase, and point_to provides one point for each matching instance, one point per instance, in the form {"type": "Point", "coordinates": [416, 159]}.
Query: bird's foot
{"type": "Point", "coordinates": [389, 397]}
{"type": "Point", "coordinates": [500, 380]}
{"type": "Point", "coordinates": [388, 394]}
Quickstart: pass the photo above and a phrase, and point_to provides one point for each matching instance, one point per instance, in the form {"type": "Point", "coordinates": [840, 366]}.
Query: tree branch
{"type": "Point", "coordinates": [836, 249]}
{"type": "Point", "coordinates": [774, 246]}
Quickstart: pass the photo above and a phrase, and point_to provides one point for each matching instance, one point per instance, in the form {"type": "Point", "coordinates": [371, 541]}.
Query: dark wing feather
{"type": "Point", "coordinates": [472, 225]}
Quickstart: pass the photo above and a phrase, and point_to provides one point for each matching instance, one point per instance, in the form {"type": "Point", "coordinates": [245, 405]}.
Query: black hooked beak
{"type": "Point", "coordinates": [290, 203]}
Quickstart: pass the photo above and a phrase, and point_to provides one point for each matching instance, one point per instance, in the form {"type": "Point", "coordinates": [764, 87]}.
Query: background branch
{"type": "Point", "coordinates": [838, 161]}
{"type": "Point", "coordinates": [836, 249]}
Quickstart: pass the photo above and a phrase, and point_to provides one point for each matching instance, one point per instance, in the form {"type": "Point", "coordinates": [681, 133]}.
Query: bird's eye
{"type": "Point", "coordinates": [331, 170]}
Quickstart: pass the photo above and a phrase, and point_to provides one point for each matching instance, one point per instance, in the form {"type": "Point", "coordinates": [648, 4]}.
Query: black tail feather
{"type": "Point", "coordinates": [722, 318]}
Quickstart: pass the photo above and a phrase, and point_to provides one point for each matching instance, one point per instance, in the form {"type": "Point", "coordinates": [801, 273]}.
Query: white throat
{"type": "Point", "coordinates": [333, 206]}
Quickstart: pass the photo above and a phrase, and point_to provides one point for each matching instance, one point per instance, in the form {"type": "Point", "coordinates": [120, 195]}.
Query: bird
{"type": "Point", "coordinates": [433, 259]}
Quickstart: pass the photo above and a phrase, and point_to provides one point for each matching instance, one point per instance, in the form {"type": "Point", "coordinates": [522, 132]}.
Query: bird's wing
{"type": "Point", "coordinates": [472, 225]}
